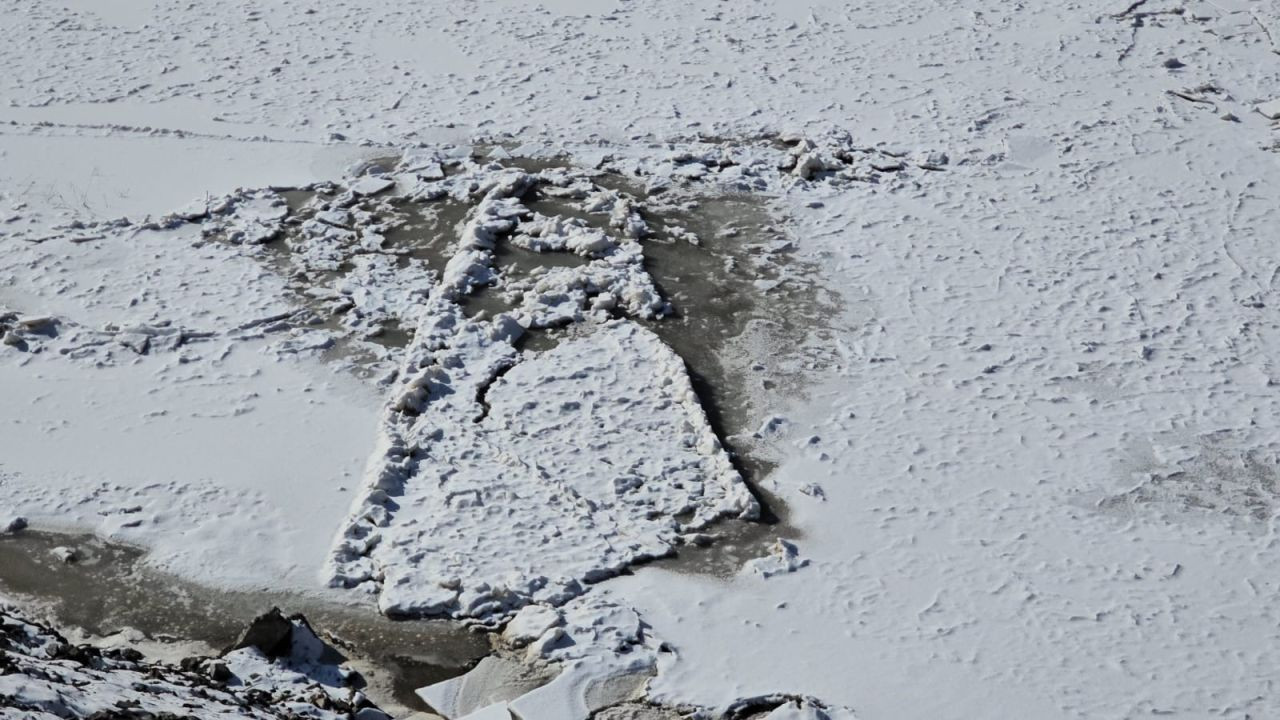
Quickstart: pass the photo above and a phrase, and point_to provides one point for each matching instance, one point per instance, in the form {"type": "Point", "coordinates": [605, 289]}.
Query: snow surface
{"type": "Point", "coordinates": [1034, 470]}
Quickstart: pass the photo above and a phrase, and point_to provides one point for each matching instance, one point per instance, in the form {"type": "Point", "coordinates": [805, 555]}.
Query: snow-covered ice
{"type": "Point", "coordinates": [1030, 460]}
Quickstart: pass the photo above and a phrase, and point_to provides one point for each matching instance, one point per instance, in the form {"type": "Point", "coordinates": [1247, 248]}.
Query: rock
{"type": "Point", "coordinates": [270, 632]}
{"type": "Point", "coordinates": [219, 672]}
{"type": "Point", "coordinates": [370, 713]}
{"type": "Point", "coordinates": [1173, 63]}
{"type": "Point", "coordinates": [43, 671]}
{"type": "Point", "coordinates": [14, 525]}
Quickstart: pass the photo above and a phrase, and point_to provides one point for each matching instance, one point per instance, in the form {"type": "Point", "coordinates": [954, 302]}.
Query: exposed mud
{"type": "Point", "coordinates": [106, 589]}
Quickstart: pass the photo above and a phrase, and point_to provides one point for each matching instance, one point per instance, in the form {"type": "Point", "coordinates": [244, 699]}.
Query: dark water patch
{"type": "Point", "coordinates": [737, 279]}
{"type": "Point", "coordinates": [536, 341]}
{"type": "Point", "coordinates": [505, 154]}
{"type": "Point", "coordinates": [740, 276]}
{"type": "Point", "coordinates": [551, 206]}
{"type": "Point", "coordinates": [107, 588]}
{"type": "Point", "coordinates": [484, 299]}
{"type": "Point", "coordinates": [427, 230]}
{"type": "Point", "coordinates": [296, 200]}
{"type": "Point", "coordinates": [714, 295]}
{"type": "Point", "coordinates": [517, 262]}
{"type": "Point", "coordinates": [619, 183]}
{"type": "Point", "coordinates": [393, 334]}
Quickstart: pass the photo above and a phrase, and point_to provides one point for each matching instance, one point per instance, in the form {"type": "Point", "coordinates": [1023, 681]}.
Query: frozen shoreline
{"type": "Point", "coordinates": [636, 388]}
{"type": "Point", "coordinates": [1035, 465]}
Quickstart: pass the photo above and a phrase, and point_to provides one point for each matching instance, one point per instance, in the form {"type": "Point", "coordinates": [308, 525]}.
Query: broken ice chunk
{"type": "Point", "coordinates": [371, 185]}
{"type": "Point", "coordinates": [783, 558]}
{"type": "Point", "coordinates": [532, 622]}
{"type": "Point", "coordinates": [1270, 109]}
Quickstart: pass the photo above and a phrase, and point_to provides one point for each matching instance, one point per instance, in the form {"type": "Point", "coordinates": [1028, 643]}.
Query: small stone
{"type": "Point", "coordinates": [15, 525]}
{"type": "Point", "coordinates": [1173, 63]}
{"type": "Point", "coordinates": [270, 632]}
{"type": "Point", "coordinates": [219, 672]}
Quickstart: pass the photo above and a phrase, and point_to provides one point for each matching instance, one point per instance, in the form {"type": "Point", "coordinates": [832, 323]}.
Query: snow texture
{"type": "Point", "coordinates": [1033, 465]}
